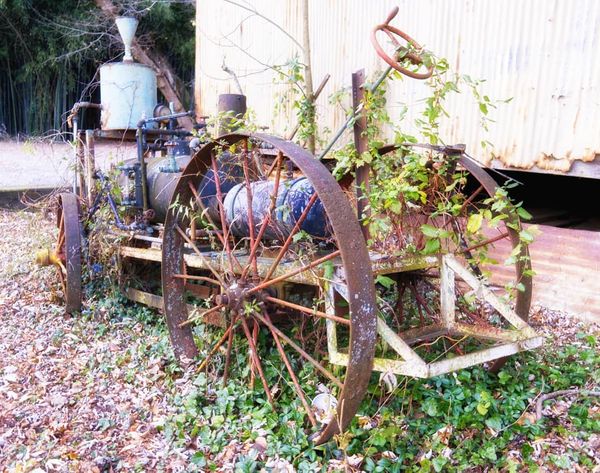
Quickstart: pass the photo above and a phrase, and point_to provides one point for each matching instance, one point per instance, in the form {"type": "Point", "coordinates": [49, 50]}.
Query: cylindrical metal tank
{"type": "Point", "coordinates": [292, 198]}
{"type": "Point", "coordinates": [162, 184]}
{"type": "Point", "coordinates": [127, 94]}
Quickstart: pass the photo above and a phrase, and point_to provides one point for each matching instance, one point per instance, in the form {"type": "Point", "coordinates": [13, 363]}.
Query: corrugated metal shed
{"type": "Point", "coordinates": [544, 54]}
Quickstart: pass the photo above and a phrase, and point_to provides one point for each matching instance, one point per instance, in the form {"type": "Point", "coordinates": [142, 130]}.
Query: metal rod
{"type": "Point", "coordinates": [302, 353]}
{"type": "Point", "coordinates": [353, 116]}
{"type": "Point", "coordinates": [290, 237]}
{"type": "Point", "coordinates": [268, 282]}
{"type": "Point", "coordinates": [194, 318]}
{"type": "Point", "coordinates": [288, 365]}
{"type": "Point", "coordinates": [257, 364]}
{"type": "Point", "coordinates": [306, 310]}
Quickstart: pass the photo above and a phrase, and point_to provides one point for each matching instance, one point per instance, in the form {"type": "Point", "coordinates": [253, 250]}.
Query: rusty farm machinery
{"type": "Point", "coordinates": [252, 234]}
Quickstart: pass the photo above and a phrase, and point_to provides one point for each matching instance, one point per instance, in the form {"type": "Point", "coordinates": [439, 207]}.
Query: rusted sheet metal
{"type": "Point", "coordinates": [567, 264]}
{"type": "Point", "coordinates": [540, 53]}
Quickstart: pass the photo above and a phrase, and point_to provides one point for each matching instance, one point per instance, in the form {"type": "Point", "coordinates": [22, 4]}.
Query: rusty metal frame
{"type": "Point", "coordinates": [522, 337]}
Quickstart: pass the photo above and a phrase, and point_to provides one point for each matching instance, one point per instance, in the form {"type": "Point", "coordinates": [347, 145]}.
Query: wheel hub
{"type": "Point", "coordinates": [236, 296]}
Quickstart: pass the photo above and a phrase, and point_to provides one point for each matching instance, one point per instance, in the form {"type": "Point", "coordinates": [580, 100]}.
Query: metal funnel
{"type": "Point", "coordinates": [127, 26]}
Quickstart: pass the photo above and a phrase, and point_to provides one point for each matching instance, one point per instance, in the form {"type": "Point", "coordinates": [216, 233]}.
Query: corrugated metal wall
{"type": "Point", "coordinates": [544, 54]}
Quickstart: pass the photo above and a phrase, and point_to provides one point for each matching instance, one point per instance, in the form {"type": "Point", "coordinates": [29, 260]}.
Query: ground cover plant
{"type": "Point", "coordinates": [101, 391]}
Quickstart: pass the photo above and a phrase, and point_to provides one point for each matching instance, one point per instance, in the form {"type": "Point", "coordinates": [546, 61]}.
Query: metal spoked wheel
{"type": "Point", "coordinates": [68, 250]}
{"type": "Point", "coordinates": [261, 275]}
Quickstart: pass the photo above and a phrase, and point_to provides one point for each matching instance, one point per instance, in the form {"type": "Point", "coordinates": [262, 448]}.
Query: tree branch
{"type": "Point", "coordinates": [565, 392]}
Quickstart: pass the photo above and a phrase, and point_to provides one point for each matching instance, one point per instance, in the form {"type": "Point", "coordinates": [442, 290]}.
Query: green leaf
{"type": "Point", "coordinates": [430, 407]}
{"type": "Point", "coordinates": [489, 452]}
{"type": "Point", "coordinates": [504, 377]}
{"type": "Point", "coordinates": [432, 246]}
{"type": "Point", "coordinates": [439, 463]}
{"type": "Point", "coordinates": [525, 236]}
{"type": "Point", "coordinates": [328, 269]}
{"type": "Point", "coordinates": [396, 206]}
{"type": "Point", "coordinates": [483, 408]}
{"type": "Point", "coordinates": [524, 214]}
{"type": "Point", "coordinates": [494, 423]}
{"type": "Point", "coordinates": [385, 281]}
{"type": "Point", "coordinates": [474, 223]}
{"type": "Point", "coordinates": [430, 231]}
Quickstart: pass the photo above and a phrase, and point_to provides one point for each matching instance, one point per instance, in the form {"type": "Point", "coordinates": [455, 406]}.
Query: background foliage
{"type": "Point", "coordinates": [50, 51]}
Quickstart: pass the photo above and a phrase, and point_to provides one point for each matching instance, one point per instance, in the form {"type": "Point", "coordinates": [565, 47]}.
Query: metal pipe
{"type": "Point", "coordinates": [162, 118]}
{"type": "Point", "coordinates": [141, 189]}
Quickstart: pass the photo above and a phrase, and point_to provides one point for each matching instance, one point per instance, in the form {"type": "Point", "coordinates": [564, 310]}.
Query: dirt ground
{"type": "Point", "coordinates": [41, 164]}
{"type": "Point", "coordinates": [66, 402]}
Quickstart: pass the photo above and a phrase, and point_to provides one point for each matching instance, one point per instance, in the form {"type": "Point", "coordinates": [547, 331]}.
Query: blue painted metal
{"type": "Point", "coordinates": [291, 204]}
{"type": "Point", "coordinates": [292, 199]}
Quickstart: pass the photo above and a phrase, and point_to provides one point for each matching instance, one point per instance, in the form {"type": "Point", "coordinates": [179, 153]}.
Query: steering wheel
{"type": "Point", "coordinates": [413, 57]}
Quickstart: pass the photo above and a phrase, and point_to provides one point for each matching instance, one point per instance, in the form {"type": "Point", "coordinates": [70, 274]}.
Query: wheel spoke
{"type": "Point", "coordinates": [257, 363]}
{"type": "Point", "coordinates": [197, 317]}
{"type": "Point", "coordinates": [199, 253]}
{"type": "Point", "coordinates": [486, 242]}
{"type": "Point", "coordinates": [61, 233]}
{"type": "Point", "coordinates": [306, 310]}
{"type": "Point", "coordinates": [218, 232]}
{"type": "Point", "coordinates": [288, 365]}
{"type": "Point", "coordinates": [266, 283]}
{"type": "Point", "coordinates": [221, 206]}
{"type": "Point", "coordinates": [290, 238]}
{"type": "Point", "coordinates": [255, 340]}
{"type": "Point", "coordinates": [197, 278]}
{"type": "Point", "coordinates": [279, 159]}
{"type": "Point", "coordinates": [302, 353]}
{"type": "Point", "coordinates": [249, 202]}
{"type": "Point", "coordinates": [217, 345]}
{"type": "Point", "coordinates": [228, 357]}
{"type": "Point", "coordinates": [471, 197]}
{"type": "Point", "coordinates": [267, 219]}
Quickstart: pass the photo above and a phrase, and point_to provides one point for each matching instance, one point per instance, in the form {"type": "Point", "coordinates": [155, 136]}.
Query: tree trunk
{"type": "Point", "coordinates": [308, 82]}
{"type": "Point", "coordinates": [197, 83]}
{"type": "Point", "coordinates": [165, 76]}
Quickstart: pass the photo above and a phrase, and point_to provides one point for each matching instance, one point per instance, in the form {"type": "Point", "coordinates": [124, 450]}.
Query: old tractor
{"type": "Point", "coordinates": [252, 235]}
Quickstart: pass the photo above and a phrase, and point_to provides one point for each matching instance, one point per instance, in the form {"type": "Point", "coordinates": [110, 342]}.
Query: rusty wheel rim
{"type": "Point", "coordinates": [350, 248]}
{"type": "Point", "coordinates": [68, 250]}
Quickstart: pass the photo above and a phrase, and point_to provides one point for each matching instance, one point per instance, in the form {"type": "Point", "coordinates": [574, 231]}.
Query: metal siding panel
{"type": "Point", "coordinates": [566, 264]}
{"type": "Point", "coordinates": [542, 53]}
